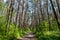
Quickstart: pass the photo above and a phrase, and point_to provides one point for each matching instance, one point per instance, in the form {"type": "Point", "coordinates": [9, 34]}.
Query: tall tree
{"type": "Point", "coordinates": [9, 14]}
{"type": "Point", "coordinates": [48, 15]}
{"type": "Point", "coordinates": [55, 15]}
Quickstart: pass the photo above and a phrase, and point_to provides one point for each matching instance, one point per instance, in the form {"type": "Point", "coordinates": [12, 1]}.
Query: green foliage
{"type": "Point", "coordinates": [13, 31]}
{"type": "Point", "coordinates": [10, 35]}
{"type": "Point", "coordinates": [42, 31]}
{"type": "Point", "coordinates": [23, 31]}
{"type": "Point", "coordinates": [43, 26]}
{"type": "Point", "coordinates": [48, 35]}
{"type": "Point", "coordinates": [54, 26]}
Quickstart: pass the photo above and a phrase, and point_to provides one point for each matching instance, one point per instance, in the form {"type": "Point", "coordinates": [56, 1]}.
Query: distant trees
{"type": "Point", "coordinates": [9, 14]}
{"type": "Point", "coordinates": [23, 17]}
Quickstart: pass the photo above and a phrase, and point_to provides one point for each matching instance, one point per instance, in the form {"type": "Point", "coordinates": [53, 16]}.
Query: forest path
{"type": "Point", "coordinates": [28, 36]}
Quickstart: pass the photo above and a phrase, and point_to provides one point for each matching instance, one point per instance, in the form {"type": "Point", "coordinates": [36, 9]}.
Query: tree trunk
{"type": "Point", "coordinates": [57, 1]}
{"type": "Point", "coordinates": [55, 15]}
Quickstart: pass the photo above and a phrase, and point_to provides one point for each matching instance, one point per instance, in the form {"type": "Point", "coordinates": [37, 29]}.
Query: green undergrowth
{"type": "Point", "coordinates": [48, 35]}
{"type": "Point", "coordinates": [42, 31]}
{"type": "Point", "coordinates": [13, 32]}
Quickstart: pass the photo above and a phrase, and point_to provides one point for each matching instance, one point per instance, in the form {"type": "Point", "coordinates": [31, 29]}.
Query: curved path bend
{"type": "Point", "coordinates": [28, 36]}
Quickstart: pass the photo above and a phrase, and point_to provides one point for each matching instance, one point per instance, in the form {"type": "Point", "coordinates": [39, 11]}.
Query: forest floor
{"type": "Point", "coordinates": [28, 36]}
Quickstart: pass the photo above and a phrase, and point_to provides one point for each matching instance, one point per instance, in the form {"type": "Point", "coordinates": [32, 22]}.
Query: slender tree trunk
{"type": "Point", "coordinates": [9, 16]}
{"type": "Point", "coordinates": [57, 1]}
{"type": "Point", "coordinates": [48, 16]}
{"type": "Point", "coordinates": [41, 11]}
{"type": "Point", "coordinates": [17, 14]}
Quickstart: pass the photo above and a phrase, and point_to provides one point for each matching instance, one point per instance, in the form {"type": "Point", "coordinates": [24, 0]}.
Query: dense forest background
{"type": "Point", "coordinates": [18, 17]}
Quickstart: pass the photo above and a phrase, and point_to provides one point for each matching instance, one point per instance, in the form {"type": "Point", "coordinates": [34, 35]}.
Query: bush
{"type": "Point", "coordinates": [13, 31]}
